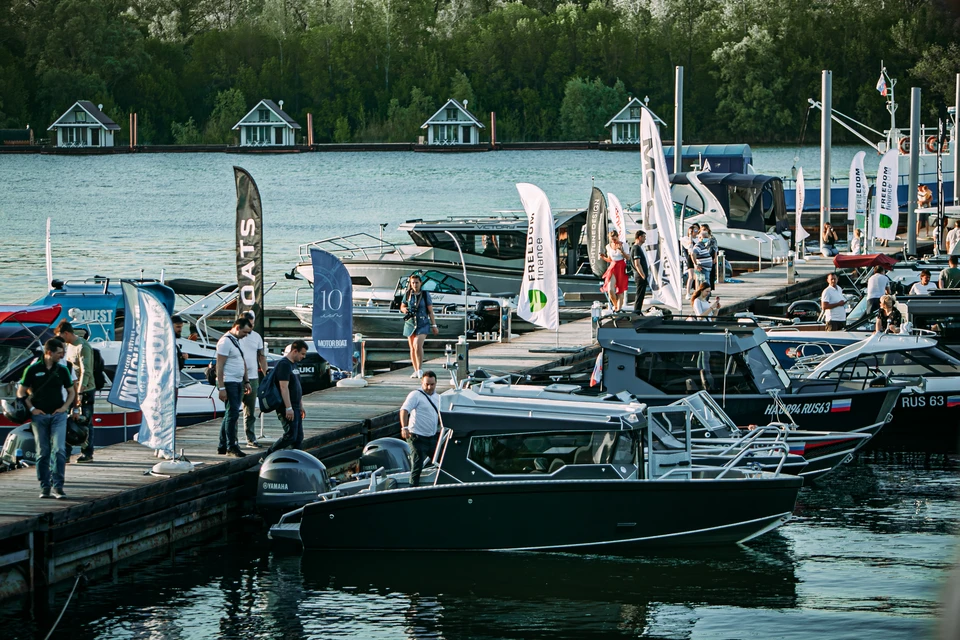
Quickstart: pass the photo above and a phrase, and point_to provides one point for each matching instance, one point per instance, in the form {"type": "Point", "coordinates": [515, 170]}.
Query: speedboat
{"type": "Point", "coordinates": [621, 487]}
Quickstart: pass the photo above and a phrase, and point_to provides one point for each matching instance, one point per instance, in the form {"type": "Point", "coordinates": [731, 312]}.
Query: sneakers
{"type": "Point", "coordinates": [236, 453]}
{"type": "Point", "coordinates": [58, 493]}
{"type": "Point", "coordinates": [419, 373]}
{"type": "Point", "coordinates": [221, 451]}
{"type": "Point", "coordinates": [44, 492]}
{"type": "Point", "coordinates": [253, 444]}
{"type": "Point", "coordinates": [414, 374]}
{"type": "Point", "coordinates": [85, 458]}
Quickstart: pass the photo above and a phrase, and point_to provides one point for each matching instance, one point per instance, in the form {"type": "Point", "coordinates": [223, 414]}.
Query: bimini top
{"type": "Point", "coordinates": [749, 201]}
{"type": "Point", "coordinates": [506, 221]}
{"type": "Point", "coordinates": [653, 334]}
{"type": "Point", "coordinates": [29, 314]}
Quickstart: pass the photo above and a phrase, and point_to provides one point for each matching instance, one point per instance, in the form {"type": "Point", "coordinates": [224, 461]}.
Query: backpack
{"type": "Point", "coordinates": [99, 378]}
{"type": "Point", "coordinates": [268, 393]}
{"type": "Point", "coordinates": [210, 373]}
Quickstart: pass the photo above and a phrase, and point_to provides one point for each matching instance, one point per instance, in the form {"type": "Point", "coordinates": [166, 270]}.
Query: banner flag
{"type": "Point", "coordinates": [249, 248]}
{"type": "Point", "coordinates": [887, 212]}
{"type": "Point", "coordinates": [538, 302]}
{"type": "Point", "coordinates": [124, 392]}
{"type": "Point", "coordinates": [857, 191]}
{"type": "Point", "coordinates": [617, 216]}
{"type": "Point", "coordinates": [157, 374]}
{"type": "Point", "coordinates": [663, 257]}
{"type": "Point", "coordinates": [332, 330]}
{"type": "Point", "coordinates": [596, 232]}
{"type": "Point", "coordinates": [801, 194]}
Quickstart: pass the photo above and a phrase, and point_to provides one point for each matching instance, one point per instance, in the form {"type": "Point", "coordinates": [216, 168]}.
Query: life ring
{"type": "Point", "coordinates": [904, 145]}
{"type": "Point", "coordinates": [932, 145]}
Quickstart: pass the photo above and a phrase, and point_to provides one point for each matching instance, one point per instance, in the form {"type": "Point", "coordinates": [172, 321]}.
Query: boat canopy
{"type": "Point", "coordinates": [32, 314]}
{"type": "Point", "coordinates": [190, 287]}
{"type": "Point", "coordinates": [750, 201]}
{"type": "Point", "coordinates": [869, 260]}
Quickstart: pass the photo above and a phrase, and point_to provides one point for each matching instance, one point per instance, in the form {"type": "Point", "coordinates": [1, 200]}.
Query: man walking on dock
{"type": "Point", "coordinates": [80, 355]}
{"type": "Point", "coordinates": [291, 414]}
{"type": "Point", "coordinates": [419, 418]}
{"type": "Point", "coordinates": [255, 360]}
{"type": "Point", "coordinates": [42, 388]}
{"type": "Point", "coordinates": [232, 383]}
{"type": "Point", "coordinates": [638, 260]}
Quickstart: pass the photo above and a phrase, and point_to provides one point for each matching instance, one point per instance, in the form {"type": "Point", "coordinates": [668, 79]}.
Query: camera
{"type": "Point", "coordinates": [409, 315]}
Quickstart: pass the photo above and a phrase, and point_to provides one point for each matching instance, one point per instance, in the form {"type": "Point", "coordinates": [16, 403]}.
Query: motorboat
{"type": "Point", "coordinates": [622, 487]}
{"type": "Point", "coordinates": [660, 360]}
{"type": "Point", "coordinates": [927, 415]}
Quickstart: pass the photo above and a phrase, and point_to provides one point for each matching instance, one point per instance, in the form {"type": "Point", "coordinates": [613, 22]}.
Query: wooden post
{"type": "Point", "coordinates": [309, 129]}
{"type": "Point", "coordinates": [493, 129]}
{"type": "Point", "coordinates": [135, 127]}
{"type": "Point", "coordinates": [130, 129]}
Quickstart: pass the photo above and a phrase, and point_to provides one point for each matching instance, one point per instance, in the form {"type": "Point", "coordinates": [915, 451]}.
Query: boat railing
{"type": "Point", "coordinates": [775, 447]}
{"type": "Point", "coordinates": [198, 313]}
{"type": "Point", "coordinates": [750, 440]}
{"type": "Point", "coordinates": [354, 245]}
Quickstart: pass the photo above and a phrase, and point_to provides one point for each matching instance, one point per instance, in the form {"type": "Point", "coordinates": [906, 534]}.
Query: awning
{"type": "Point", "coordinates": [869, 260]}
{"type": "Point", "coordinates": [34, 314]}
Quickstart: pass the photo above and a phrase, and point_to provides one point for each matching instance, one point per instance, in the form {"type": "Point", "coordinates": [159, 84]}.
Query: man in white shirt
{"type": "Point", "coordinates": [255, 359]}
{"type": "Point", "coordinates": [419, 418]}
{"type": "Point", "coordinates": [877, 285]}
{"type": "Point", "coordinates": [232, 384]}
{"type": "Point", "coordinates": [833, 303]}
{"type": "Point", "coordinates": [953, 237]}
{"type": "Point", "coordinates": [924, 287]}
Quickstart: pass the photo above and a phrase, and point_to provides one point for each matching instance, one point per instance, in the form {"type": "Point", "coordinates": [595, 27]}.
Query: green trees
{"type": "Point", "coordinates": [374, 70]}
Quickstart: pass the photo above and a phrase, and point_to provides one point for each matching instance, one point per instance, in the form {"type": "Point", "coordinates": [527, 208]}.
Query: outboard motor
{"type": "Point", "coordinates": [15, 410]}
{"type": "Point", "coordinates": [314, 373]}
{"type": "Point", "coordinates": [488, 312]}
{"type": "Point", "coordinates": [389, 453]}
{"type": "Point", "coordinates": [804, 310]}
{"type": "Point", "coordinates": [20, 439]}
{"type": "Point", "coordinates": [289, 479]}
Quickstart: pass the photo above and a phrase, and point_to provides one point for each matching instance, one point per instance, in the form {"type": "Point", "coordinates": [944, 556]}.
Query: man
{"type": "Point", "coordinates": [833, 303]}
{"type": "Point", "coordinates": [42, 388]}
{"type": "Point", "coordinates": [419, 417]}
{"type": "Point", "coordinates": [953, 237]}
{"type": "Point", "coordinates": [255, 360]}
{"type": "Point", "coordinates": [80, 355]}
{"type": "Point", "coordinates": [877, 285]}
{"type": "Point", "coordinates": [924, 287]}
{"type": "Point", "coordinates": [232, 384]}
{"type": "Point", "coordinates": [638, 259]}
{"type": "Point", "coordinates": [177, 322]}
{"type": "Point", "coordinates": [950, 277]}
{"type": "Point", "coordinates": [292, 413]}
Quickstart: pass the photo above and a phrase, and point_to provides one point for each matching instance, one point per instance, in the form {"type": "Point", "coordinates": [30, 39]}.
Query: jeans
{"type": "Point", "coordinates": [421, 448]}
{"type": "Point", "coordinates": [228, 428]}
{"type": "Point", "coordinates": [829, 251]}
{"type": "Point", "coordinates": [50, 434]}
{"type": "Point", "coordinates": [86, 408]}
{"type": "Point", "coordinates": [641, 294]}
{"type": "Point", "coordinates": [249, 411]}
{"type": "Point", "coordinates": [292, 437]}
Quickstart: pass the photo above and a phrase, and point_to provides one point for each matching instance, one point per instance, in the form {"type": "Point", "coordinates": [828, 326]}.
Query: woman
{"type": "Point", "coordinates": [418, 305]}
{"type": "Point", "coordinates": [702, 308]}
{"type": "Point", "coordinates": [714, 252]}
{"type": "Point", "coordinates": [889, 318]}
{"type": "Point", "coordinates": [686, 243]}
{"type": "Point", "coordinates": [856, 245]}
{"type": "Point", "coordinates": [615, 279]}
{"type": "Point", "coordinates": [828, 238]}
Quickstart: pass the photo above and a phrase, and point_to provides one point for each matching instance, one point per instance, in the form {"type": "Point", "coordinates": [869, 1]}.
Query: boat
{"type": "Point", "coordinates": [622, 488]}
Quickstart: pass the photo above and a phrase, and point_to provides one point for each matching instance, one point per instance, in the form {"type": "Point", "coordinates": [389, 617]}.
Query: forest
{"type": "Point", "coordinates": [375, 70]}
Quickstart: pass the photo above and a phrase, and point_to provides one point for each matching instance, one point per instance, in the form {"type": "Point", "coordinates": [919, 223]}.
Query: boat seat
{"type": "Point", "coordinates": [663, 439]}
{"type": "Point", "coordinates": [556, 465]}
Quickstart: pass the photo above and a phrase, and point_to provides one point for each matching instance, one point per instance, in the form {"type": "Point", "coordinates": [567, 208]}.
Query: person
{"type": "Point", "coordinates": [177, 322]}
{"type": "Point", "coordinates": [292, 413]}
{"type": "Point", "coordinates": [79, 355]}
{"type": "Point", "coordinates": [953, 237]}
{"type": "Point", "coordinates": [889, 318]}
{"type": "Point", "coordinates": [828, 238]}
{"type": "Point", "coordinates": [856, 244]}
{"type": "Point", "coordinates": [419, 419]}
{"type": "Point", "coordinates": [255, 360]}
{"type": "Point", "coordinates": [232, 384]}
{"type": "Point", "coordinates": [700, 301]}
{"type": "Point", "coordinates": [489, 245]}
{"type": "Point", "coordinates": [877, 285]}
{"type": "Point", "coordinates": [834, 305]}
{"type": "Point", "coordinates": [950, 277]}
{"type": "Point", "coordinates": [638, 259]}
{"type": "Point", "coordinates": [703, 259]}
{"type": "Point", "coordinates": [924, 287]}
{"type": "Point", "coordinates": [714, 254]}
{"type": "Point", "coordinates": [924, 199]}
{"type": "Point", "coordinates": [686, 243]}
{"type": "Point", "coordinates": [615, 282]}
{"type": "Point", "coordinates": [419, 306]}
{"type": "Point", "coordinates": [42, 387]}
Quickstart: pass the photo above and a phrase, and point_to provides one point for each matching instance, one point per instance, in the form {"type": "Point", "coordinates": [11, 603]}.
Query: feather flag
{"type": "Point", "coordinates": [887, 212]}
{"type": "Point", "coordinates": [538, 302]}
{"type": "Point", "coordinates": [617, 217]}
{"type": "Point", "coordinates": [801, 192]}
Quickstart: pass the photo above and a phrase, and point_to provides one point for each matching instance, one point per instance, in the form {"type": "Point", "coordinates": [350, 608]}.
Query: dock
{"type": "Point", "coordinates": [115, 509]}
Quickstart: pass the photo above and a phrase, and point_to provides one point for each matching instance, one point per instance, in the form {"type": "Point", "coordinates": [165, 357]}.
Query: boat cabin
{"type": "Point", "coordinates": [84, 125]}
{"type": "Point", "coordinates": [452, 125]}
{"type": "Point", "coordinates": [721, 158]}
{"type": "Point", "coordinates": [747, 201]}
{"type": "Point", "coordinates": [267, 125]}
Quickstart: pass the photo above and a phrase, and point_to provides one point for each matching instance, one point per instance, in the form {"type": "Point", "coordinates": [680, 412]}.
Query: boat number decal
{"type": "Point", "coordinates": [90, 316]}
{"type": "Point", "coordinates": [917, 401]}
{"type": "Point", "coordinates": [801, 408]}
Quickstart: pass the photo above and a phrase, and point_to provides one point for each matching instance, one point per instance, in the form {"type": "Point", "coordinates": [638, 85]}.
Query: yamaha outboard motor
{"type": "Point", "coordinates": [20, 439]}
{"type": "Point", "coordinates": [804, 310]}
{"type": "Point", "coordinates": [289, 479]}
{"type": "Point", "coordinates": [390, 453]}
{"type": "Point", "coordinates": [314, 373]}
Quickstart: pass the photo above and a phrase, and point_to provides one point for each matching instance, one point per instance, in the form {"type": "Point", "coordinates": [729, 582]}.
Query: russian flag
{"type": "Point", "coordinates": [597, 374]}
{"type": "Point", "coordinates": [953, 401]}
{"type": "Point", "coordinates": [882, 85]}
{"type": "Point", "coordinates": [839, 406]}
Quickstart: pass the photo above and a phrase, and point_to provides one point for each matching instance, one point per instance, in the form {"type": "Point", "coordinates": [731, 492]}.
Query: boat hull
{"type": "Point", "coordinates": [576, 515]}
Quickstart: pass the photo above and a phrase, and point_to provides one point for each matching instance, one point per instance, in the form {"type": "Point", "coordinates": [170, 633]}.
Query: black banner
{"type": "Point", "coordinates": [249, 248]}
{"type": "Point", "coordinates": [597, 232]}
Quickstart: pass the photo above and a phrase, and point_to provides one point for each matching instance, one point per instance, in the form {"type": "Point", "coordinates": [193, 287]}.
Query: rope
{"type": "Point", "coordinates": [65, 605]}
{"type": "Point", "coordinates": [803, 131]}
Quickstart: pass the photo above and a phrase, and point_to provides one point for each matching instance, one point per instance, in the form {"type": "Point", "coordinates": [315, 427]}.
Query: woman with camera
{"type": "Point", "coordinates": [418, 321]}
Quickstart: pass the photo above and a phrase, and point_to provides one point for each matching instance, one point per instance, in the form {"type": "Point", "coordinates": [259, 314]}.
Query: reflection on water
{"type": "Point", "coordinates": [865, 556]}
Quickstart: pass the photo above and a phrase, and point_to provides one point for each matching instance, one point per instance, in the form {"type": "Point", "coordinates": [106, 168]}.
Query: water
{"type": "Point", "coordinates": [865, 557]}
{"type": "Point", "coordinates": [115, 215]}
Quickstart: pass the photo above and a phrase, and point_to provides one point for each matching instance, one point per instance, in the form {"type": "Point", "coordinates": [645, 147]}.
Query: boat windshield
{"type": "Point", "coordinates": [499, 245]}
{"type": "Point", "coordinates": [752, 371]}
{"type": "Point", "coordinates": [546, 452]}
{"type": "Point", "coordinates": [931, 362]}
{"type": "Point", "coordinates": [12, 357]}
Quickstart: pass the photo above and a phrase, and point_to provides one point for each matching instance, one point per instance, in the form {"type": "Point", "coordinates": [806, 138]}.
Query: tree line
{"type": "Point", "coordinates": [375, 70]}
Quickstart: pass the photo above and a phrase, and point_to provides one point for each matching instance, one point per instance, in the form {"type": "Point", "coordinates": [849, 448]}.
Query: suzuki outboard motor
{"type": "Point", "coordinates": [390, 453]}
{"type": "Point", "coordinates": [288, 480]}
{"type": "Point", "coordinates": [314, 373]}
{"type": "Point", "coordinates": [804, 310]}
{"type": "Point", "coordinates": [20, 439]}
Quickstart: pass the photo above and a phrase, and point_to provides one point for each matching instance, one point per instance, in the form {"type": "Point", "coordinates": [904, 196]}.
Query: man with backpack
{"type": "Point", "coordinates": [79, 354]}
{"type": "Point", "coordinates": [287, 377]}
{"type": "Point", "coordinates": [232, 384]}
{"type": "Point", "coordinates": [419, 418]}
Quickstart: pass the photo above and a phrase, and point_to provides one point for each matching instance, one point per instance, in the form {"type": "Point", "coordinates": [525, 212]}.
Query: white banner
{"type": "Point", "coordinates": [617, 217]}
{"type": "Point", "coordinates": [857, 191]}
{"type": "Point", "coordinates": [887, 212]}
{"type": "Point", "coordinates": [801, 193]}
{"type": "Point", "coordinates": [663, 257]}
{"type": "Point", "coordinates": [157, 374]}
{"type": "Point", "coordinates": [538, 301]}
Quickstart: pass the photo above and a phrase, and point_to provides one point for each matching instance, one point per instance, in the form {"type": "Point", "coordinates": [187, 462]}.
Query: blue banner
{"type": "Point", "coordinates": [157, 374]}
{"type": "Point", "coordinates": [124, 392]}
{"type": "Point", "coordinates": [332, 310]}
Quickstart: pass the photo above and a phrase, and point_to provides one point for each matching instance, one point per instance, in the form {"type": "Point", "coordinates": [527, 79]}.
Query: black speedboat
{"type": "Point", "coordinates": [619, 486]}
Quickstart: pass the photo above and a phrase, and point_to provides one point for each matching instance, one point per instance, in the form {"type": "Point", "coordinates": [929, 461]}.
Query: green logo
{"type": "Point", "coordinates": [538, 300]}
{"type": "Point", "coordinates": [885, 221]}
